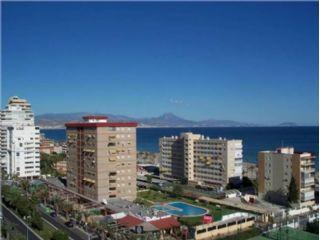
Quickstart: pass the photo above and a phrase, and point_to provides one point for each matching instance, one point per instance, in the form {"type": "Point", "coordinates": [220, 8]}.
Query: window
{"type": "Point", "coordinates": [231, 223]}
{"type": "Point", "coordinates": [222, 226]}
{"type": "Point", "coordinates": [18, 154]}
{"type": "Point", "coordinates": [201, 231]}
{"type": "Point", "coordinates": [212, 228]}
{"type": "Point", "coordinates": [241, 221]}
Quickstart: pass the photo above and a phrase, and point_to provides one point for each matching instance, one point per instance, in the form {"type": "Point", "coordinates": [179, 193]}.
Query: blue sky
{"type": "Point", "coordinates": [252, 62]}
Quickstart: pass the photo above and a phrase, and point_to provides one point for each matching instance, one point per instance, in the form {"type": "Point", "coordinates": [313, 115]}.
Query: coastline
{"type": "Point", "coordinates": [166, 127]}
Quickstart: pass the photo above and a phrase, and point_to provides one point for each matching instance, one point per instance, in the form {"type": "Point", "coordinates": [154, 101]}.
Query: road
{"type": "Point", "coordinates": [73, 232]}
{"type": "Point", "coordinates": [22, 227]}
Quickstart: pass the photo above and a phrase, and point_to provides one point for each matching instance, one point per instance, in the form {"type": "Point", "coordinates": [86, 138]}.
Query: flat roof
{"type": "Point", "coordinates": [95, 117]}
{"type": "Point", "coordinates": [100, 124]}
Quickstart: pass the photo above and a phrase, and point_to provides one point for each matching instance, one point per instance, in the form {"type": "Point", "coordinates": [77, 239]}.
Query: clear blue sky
{"type": "Point", "coordinates": [252, 62]}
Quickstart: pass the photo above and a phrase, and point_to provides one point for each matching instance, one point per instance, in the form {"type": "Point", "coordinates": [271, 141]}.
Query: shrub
{"type": "Point", "coordinates": [59, 235]}
{"type": "Point", "coordinates": [36, 221]}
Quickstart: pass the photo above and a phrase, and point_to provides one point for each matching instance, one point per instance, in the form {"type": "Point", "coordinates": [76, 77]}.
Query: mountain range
{"type": "Point", "coordinates": [57, 120]}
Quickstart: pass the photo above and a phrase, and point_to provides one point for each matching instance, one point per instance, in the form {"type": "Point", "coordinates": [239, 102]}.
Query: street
{"type": "Point", "coordinates": [73, 232]}
{"type": "Point", "coordinates": [22, 227]}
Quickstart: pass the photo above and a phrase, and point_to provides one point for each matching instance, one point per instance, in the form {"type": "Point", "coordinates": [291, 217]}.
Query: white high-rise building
{"type": "Point", "coordinates": [199, 159]}
{"type": "Point", "coordinates": [19, 139]}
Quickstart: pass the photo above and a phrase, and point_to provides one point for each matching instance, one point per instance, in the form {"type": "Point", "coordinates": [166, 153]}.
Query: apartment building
{"type": "Point", "coordinates": [201, 160]}
{"type": "Point", "coordinates": [101, 158]}
{"type": "Point", "coordinates": [277, 167]}
{"type": "Point", "coordinates": [20, 140]}
{"type": "Point", "coordinates": [48, 146]}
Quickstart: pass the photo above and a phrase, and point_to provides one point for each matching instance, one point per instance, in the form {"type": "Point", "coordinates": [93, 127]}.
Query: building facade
{"type": "Point", "coordinates": [48, 146]}
{"type": "Point", "coordinates": [200, 160]}
{"type": "Point", "coordinates": [20, 140]}
{"type": "Point", "coordinates": [276, 168]}
{"type": "Point", "coordinates": [101, 158]}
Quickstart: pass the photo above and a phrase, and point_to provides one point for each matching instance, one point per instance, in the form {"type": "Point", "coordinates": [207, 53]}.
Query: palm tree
{"type": "Point", "coordinates": [24, 183]}
{"type": "Point", "coordinates": [13, 196]}
{"type": "Point", "coordinates": [67, 207]}
{"type": "Point", "coordinates": [57, 203]}
{"type": "Point", "coordinates": [43, 194]}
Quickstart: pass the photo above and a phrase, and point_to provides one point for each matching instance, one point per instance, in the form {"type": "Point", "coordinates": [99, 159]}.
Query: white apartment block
{"type": "Point", "coordinates": [19, 139]}
{"type": "Point", "coordinates": [201, 160]}
{"type": "Point", "coordinates": [276, 168]}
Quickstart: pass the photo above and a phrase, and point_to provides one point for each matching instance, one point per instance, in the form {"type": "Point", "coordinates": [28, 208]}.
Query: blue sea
{"type": "Point", "coordinates": [255, 139]}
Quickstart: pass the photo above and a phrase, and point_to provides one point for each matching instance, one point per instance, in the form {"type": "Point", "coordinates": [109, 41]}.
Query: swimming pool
{"type": "Point", "coordinates": [181, 209]}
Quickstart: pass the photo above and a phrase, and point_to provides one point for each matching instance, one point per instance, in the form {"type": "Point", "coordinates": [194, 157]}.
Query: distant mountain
{"type": "Point", "coordinates": [165, 120]}
{"type": "Point", "coordinates": [57, 120]}
{"type": "Point", "coordinates": [288, 124]}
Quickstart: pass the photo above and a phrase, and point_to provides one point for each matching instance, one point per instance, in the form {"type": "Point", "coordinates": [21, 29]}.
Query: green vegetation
{"type": "Point", "coordinates": [293, 193]}
{"type": "Point", "coordinates": [157, 196]}
{"type": "Point", "coordinates": [246, 182]}
{"type": "Point", "coordinates": [46, 232]}
{"type": "Point", "coordinates": [287, 233]}
{"type": "Point", "coordinates": [59, 235]}
{"type": "Point", "coordinates": [36, 221]}
{"type": "Point", "coordinates": [24, 202]}
{"type": "Point", "coordinates": [48, 161]}
{"type": "Point", "coordinates": [9, 231]}
{"type": "Point", "coordinates": [177, 190]}
{"type": "Point", "coordinates": [313, 227]}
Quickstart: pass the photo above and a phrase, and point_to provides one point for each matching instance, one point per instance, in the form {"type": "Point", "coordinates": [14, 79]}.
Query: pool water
{"type": "Point", "coordinates": [181, 209]}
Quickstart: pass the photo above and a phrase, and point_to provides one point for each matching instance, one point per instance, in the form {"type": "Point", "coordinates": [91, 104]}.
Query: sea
{"type": "Point", "coordinates": [254, 139]}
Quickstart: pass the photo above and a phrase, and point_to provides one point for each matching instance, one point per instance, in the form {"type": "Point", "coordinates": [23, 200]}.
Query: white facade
{"type": "Point", "coordinates": [20, 140]}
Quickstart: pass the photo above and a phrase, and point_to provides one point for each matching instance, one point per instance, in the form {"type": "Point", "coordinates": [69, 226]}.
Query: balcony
{"type": "Point", "coordinates": [307, 196]}
{"type": "Point", "coordinates": [307, 182]}
{"type": "Point", "coordinates": [306, 170]}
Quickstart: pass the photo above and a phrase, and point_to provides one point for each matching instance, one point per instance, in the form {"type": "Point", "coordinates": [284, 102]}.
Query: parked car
{"type": "Point", "coordinates": [53, 214]}
{"type": "Point", "coordinates": [69, 224]}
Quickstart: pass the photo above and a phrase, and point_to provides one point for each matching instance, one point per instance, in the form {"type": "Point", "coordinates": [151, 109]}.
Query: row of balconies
{"type": "Point", "coordinates": [307, 196]}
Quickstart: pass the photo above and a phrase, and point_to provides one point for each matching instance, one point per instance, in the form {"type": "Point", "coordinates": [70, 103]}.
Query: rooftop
{"type": "Point", "coordinates": [99, 121]}
{"type": "Point", "coordinates": [165, 223]}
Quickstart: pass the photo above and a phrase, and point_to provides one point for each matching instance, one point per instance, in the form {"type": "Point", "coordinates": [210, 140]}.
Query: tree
{"type": "Point", "coordinates": [313, 227]}
{"type": "Point", "coordinates": [24, 183]}
{"type": "Point", "coordinates": [42, 193]}
{"type": "Point", "coordinates": [177, 190]}
{"type": "Point", "coordinates": [48, 161]}
{"type": "Point", "coordinates": [59, 235]}
{"type": "Point", "coordinates": [255, 186]}
{"type": "Point", "coordinates": [246, 182]}
{"type": "Point", "coordinates": [23, 206]}
{"type": "Point", "coordinates": [184, 180]}
{"type": "Point", "coordinates": [36, 221]}
{"type": "Point", "coordinates": [293, 193]}
{"type": "Point", "coordinates": [12, 196]}
{"type": "Point", "coordinates": [230, 185]}
{"type": "Point", "coordinates": [149, 178]}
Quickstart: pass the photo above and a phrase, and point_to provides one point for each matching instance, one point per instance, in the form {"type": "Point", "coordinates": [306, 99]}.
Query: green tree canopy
{"type": "Point", "coordinates": [36, 221]}
{"type": "Point", "coordinates": [293, 193]}
{"type": "Point", "coordinates": [177, 189]}
{"type": "Point", "coordinates": [313, 227]}
{"type": "Point", "coordinates": [48, 161]}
